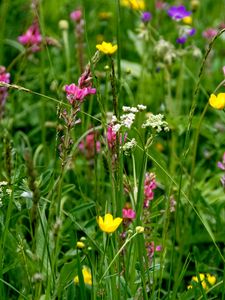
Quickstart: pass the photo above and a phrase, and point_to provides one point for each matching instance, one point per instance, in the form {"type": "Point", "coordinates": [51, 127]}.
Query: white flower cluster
{"type": "Point", "coordinates": [156, 122]}
{"type": "Point", "coordinates": [129, 146]}
{"type": "Point", "coordinates": [128, 118]}
{"type": "Point", "coordinates": [165, 51]}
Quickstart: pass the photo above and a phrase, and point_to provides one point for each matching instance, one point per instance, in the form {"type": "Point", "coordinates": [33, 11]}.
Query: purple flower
{"type": "Point", "coordinates": [146, 16]}
{"type": "Point", "coordinates": [178, 12]}
{"type": "Point", "coordinates": [181, 40]}
{"type": "Point", "coordinates": [185, 32]}
{"type": "Point", "coordinates": [220, 164]}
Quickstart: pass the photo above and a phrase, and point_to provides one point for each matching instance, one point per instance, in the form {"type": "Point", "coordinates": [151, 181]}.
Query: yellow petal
{"type": "Point", "coordinates": [217, 102]}
{"type": "Point", "coordinates": [108, 220]}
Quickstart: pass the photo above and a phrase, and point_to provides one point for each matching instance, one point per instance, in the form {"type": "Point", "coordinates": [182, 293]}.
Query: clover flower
{"type": "Point", "coordinates": [107, 48]}
{"type": "Point", "coordinates": [86, 276]}
{"type": "Point", "coordinates": [178, 12]}
{"type": "Point", "coordinates": [109, 224]}
{"type": "Point", "coordinates": [76, 15]}
{"type": "Point", "coordinates": [217, 102]}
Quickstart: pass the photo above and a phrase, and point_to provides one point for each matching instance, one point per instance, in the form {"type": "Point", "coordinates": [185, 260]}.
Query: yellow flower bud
{"type": "Point", "coordinates": [140, 229]}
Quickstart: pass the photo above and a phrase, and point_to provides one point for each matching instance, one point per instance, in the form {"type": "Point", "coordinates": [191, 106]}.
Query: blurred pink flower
{"type": "Point", "coordinates": [90, 146]}
{"type": "Point", "coordinates": [4, 77]}
{"type": "Point", "coordinates": [111, 137]}
{"type": "Point", "coordinates": [209, 33]}
{"type": "Point", "coordinates": [75, 93]}
{"type": "Point", "coordinates": [220, 164]}
{"type": "Point", "coordinates": [31, 37]}
{"type": "Point", "coordinates": [76, 15]}
{"type": "Point", "coordinates": [128, 213]}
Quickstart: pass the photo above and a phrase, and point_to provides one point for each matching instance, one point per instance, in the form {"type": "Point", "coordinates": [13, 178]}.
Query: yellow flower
{"type": "Point", "coordinates": [80, 245]}
{"type": "Point", "coordinates": [109, 224]}
{"type": "Point", "coordinates": [187, 20]}
{"type": "Point", "coordinates": [86, 275]}
{"type": "Point", "coordinates": [140, 229]}
{"type": "Point", "coordinates": [218, 101]}
{"type": "Point", "coordinates": [134, 4]}
{"type": "Point", "coordinates": [211, 279]}
{"type": "Point", "coordinates": [107, 48]}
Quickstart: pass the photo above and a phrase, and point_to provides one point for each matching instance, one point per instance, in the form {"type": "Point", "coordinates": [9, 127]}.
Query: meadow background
{"type": "Point", "coordinates": [156, 165]}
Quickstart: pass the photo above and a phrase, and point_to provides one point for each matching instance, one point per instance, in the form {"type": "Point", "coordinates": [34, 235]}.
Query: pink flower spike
{"type": "Point", "coordinates": [75, 93]}
{"type": "Point", "coordinates": [224, 70]}
{"type": "Point", "coordinates": [31, 37]}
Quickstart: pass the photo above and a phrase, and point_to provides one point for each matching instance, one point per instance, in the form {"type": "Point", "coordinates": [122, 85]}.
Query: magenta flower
{"type": "Point", "coordinates": [178, 12]}
{"type": "Point", "coordinates": [4, 77]}
{"type": "Point", "coordinates": [31, 37]}
{"type": "Point", "coordinates": [90, 146]}
{"type": "Point", "coordinates": [186, 32]}
{"type": "Point", "coordinates": [128, 213]}
{"type": "Point", "coordinates": [111, 137]}
{"type": "Point", "coordinates": [76, 15]}
{"type": "Point", "coordinates": [220, 164]}
{"type": "Point", "coordinates": [74, 93]}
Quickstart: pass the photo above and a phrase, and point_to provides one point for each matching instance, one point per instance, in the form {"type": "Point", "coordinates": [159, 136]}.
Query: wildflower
{"type": "Point", "coordinates": [209, 33]}
{"type": "Point", "coordinates": [146, 17]}
{"type": "Point", "coordinates": [32, 37]}
{"type": "Point", "coordinates": [205, 280]}
{"type": "Point", "coordinates": [139, 229]}
{"type": "Point", "coordinates": [187, 20]}
{"type": "Point", "coordinates": [86, 276]}
{"type": "Point", "coordinates": [129, 109]}
{"type": "Point", "coordinates": [80, 245]}
{"type": "Point", "coordinates": [211, 279]}
{"type": "Point", "coordinates": [178, 12]}
{"type": "Point", "coordinates": [75, 93]}
{"type": "Point", "coordinates": [134, 4]}
{"type": "Point", "coordinates": [194, 4]}
{"type": "Point", "coordinates": [63, 25]}
{"type": "Point", "coordinates": [90, 146]}
{"type": "Point", "coordinates": [107, 48]}
{"type": "Point", "coordinates": [220, 164]}
{"type": "Point", "coordinates": [127, 120]}
{"type": "Point", "coordinates": [141, 107]}
{"type": "Point", "coordinates": [129, 146]}
{"type": "Point", "coordinates": [217, 102]}
{"type": "Point", "coordinates": [128, 213]}
{"type": "Point", "coordinates": [149, 187]}
{"type": "Point", "coordinates": [156, 122]}
{"type": "Point", "coordinates": [76, 15]}
{"type": "Point", "coordinates": [111, 137]}
{"type": "Point", "coordinates": [185, 32]}
{"type": "Point", "coordinates": [109, 224]}
{"type": "Point", "coordinates": [165, 51]}
{"type": "Point", "coordinates": [4, 77]}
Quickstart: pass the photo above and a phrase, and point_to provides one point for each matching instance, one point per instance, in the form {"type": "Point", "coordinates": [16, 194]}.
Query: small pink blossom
{"type": "Point", "coordinates": [158, 248]}
{"type": "Point", "coordinates": [4, 77]}
{"type": "Point", "coordinates": [75, 93]}
{"type": "Point", "coordinates": [220, 164]}
{"type": "Point", "coordinates": [209, 33]}
{"type": "Point", "coordinates": [31, 37]}
{"type": "Point", "coordinates": [111, 137]}
{"type": "Point", "coordinates": [90, 146]}
{"type": "Point", "coordinates": [128, 213]}
{"type": "Point", "coordinates": [76, 15]}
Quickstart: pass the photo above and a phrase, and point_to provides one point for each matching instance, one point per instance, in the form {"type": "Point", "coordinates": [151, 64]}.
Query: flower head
{"type": "Point", "coordinates": [31, 37]}
{"type": "Point", "coordinates": [178, 12]}
{"type": "Point", "coordinates": [220, 164]}
{"type": "Point", "coordinates": [76, 15]}
{"type": "Point", "coordinates": [209, 33]}
{"type": "Point", "coordinates": [134, 4]}
{"type": "Point", "coordinates": [129, 213]}
{"type": "Point", "coordinates": [107, 48]}
{"type": "Point", "coordinates": [217, 102]}
{"type": "Point", "coordinates": [109, 224]}
{"type": "Point", "coordinates": [75, 93]}
{"type": "Point", "coordinates": [146, 16]}
{"type": "Point", "coordinates": [86, 276]}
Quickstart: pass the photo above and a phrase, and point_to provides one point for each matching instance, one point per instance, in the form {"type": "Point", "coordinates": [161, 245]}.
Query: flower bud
{"type": "Point", "coordinates": [140, 229]}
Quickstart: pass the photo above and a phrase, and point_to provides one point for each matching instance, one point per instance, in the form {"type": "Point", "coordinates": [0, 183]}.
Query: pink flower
{"type": "Point", "coordinates": [209, 33]}
{"type": "Point", "coordinates": [220, 164]}
{"type": "Point", "coordinates": [149, 186]}
{"type": "Point", "coordinates": [128, 213]}
{"type": "Point", "coordinates": [90, 146]}
{"type": "Point", "coordinates": [4, 77]}
{"type": "Point", "coordinates": [76, 15]}
{"type": "Point", "coordinates": [75, 93]}
{"type": "Point", "coordinates": [111, 137]}
{"type": "Point", "coordinates": [31, 37]}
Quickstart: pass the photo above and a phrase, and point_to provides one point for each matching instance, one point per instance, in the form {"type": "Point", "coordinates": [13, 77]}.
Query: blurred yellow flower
{"type": "Point", "coordinates": [80, 245]}
{"type": "Point", "coordinates": [134, 4]}
{"type": "Point", "coordinates": [211, 279]}
{"type": "Point", "coordinates": [104, 15]}
{"type": "Point", "coordinates": [109, 224]}
{"type": "Point", "coordinates": [187, 20]}
{"type": "Point", "coordinates": [218, 101]}
{"type": "Point", "coordinates": [86, 275]}
{"type": "Point", "coordinates": [106, 48]}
